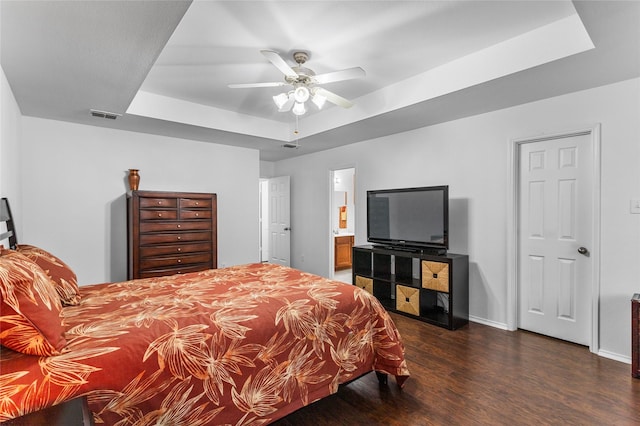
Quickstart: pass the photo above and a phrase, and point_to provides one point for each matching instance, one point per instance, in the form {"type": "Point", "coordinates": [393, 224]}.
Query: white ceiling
{"type": "Point", "coordinates": [166, 65]}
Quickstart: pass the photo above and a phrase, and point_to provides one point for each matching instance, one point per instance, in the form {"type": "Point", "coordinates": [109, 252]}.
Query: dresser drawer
{"type": "Point", "coordinates": [174, 237]}
{"type": "Point", "coordinates": [164, 203]}
{"type": "Point", "coordinates": [175, 226]}
{"type": "Point", "coordinates": [195, 202]}
{"type": "Point", "coordinates": [185, 259]}
{"type": "Point", "coordinates": [173, 270]}
{"type": "Point", "coordinates": [158, 214]}
{"type": "Point", "coordinates": [163, 250]}
{"type": "Point", "coordinates": [195, 214]}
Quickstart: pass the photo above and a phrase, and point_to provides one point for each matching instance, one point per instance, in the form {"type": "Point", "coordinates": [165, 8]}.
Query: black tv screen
{"type": "Point", "coordinates": [412, 217]}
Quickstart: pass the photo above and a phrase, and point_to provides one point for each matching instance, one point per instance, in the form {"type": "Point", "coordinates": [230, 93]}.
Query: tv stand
{"type": "Point", "coordinates": [412, 249]}
{"type": "Point", "coordinates": [434, 252]}
{"type": "Point", "coordinates": [426, 285]}
{"type": "Point", "coordinates": [398, 248]}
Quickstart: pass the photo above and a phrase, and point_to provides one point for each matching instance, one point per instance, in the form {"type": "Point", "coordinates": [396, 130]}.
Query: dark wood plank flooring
{"type": "Point", "coordinates": [480, 375]}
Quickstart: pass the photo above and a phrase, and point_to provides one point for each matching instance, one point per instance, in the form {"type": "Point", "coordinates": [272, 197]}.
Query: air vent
{"type": "Point", "coordinates": [105, 114]}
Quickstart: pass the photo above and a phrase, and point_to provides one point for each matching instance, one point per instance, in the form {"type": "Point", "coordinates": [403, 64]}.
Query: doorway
{"type": "Point", "coordinates": [275, 221]}
{"type": "Point", "coordinates": [342, 207]}
{"type": "Point", "coordinates": [264, 220]}
{"type": "Point", "coordinates": [554, 230]}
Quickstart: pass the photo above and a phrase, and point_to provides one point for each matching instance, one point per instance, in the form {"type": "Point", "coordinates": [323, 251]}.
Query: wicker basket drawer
{"type": "Point", "coordinates": [408, 299]}
{"type": "Point", "coordinates": [364, 283]}
{"type": "Point", "coordinates": [435, 276]}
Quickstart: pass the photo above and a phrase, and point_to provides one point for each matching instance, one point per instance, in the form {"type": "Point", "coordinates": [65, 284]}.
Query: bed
{"type": "Point", "coordinates": [244, 345]}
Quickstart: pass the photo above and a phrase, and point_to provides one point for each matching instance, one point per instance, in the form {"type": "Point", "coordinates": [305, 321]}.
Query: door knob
{"type": "Point", "coordinates": [584, 251]}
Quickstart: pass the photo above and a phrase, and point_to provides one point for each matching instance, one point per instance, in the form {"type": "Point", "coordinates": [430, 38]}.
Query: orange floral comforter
{"type": "Point", "coordinates": [244, 345]}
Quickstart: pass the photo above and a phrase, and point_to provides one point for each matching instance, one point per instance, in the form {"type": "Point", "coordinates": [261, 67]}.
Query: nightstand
{"type": "Point", "coordinates": [635, 335]}
{"type": "Point", "coordinates": [71, 413]}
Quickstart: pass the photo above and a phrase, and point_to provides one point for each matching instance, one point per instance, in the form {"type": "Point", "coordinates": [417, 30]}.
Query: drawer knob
{"type": "Point", "coordinates": [179, 249]}
{"type": "Point", "coordinates": [179, 226]}
{"type": "Point", "coordinates": [435, 276]}
{"type": "Point", "coordinates": [197, 203]}
{"type": "Point", "coordinates": [159, 214]}
{"type": "Point", "coordinates": [197, 214]}
{"type": "Point", "coordinates": [179, 238]}
{"type": "Point", "coordinates": [179, 261]}
{"type": "Point", "coordinates": [159, 202]}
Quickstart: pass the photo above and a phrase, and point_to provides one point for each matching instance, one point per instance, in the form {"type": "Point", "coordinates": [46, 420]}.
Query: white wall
{"type": "Point", "coordinates": [9, 157]}
{"type": "Point", "coordinates": [74, 184]}
{"type": "Point", "coordinates": [267, 169]}
{"type": "Point", "coordinates": [471, 156]}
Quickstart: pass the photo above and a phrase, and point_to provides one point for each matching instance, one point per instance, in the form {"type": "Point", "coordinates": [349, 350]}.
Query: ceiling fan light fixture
{"type": "Point", "coordinates": [303, 83]}
{"type": "Point", "coordinates": [318, 100]}
{"type": "Point", "coordinates": [299, 109]}
{"type": "Point", "coordinates": [301, 94]}
{"type": "Point", "coordinates": [280, 100]}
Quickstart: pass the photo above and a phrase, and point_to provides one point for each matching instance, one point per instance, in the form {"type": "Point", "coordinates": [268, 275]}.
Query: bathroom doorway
{"type": "Point", "coordinates": [342, 222]}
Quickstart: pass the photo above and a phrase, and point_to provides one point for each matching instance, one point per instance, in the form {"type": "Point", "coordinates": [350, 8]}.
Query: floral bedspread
{"type": "Point", "coordinates": [244, 345]}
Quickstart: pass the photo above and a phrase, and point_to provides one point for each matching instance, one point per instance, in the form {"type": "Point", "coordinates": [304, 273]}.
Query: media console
{"type": "Point", "coordinates": [429, 287]}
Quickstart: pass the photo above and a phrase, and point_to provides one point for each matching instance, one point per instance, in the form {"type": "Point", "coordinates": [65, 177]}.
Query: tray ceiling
{"type": "Point", "coordinates": [165, 66]}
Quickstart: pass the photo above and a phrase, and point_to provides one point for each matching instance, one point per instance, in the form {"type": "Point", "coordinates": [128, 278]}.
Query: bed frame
{"type": "Point", "coordinates": [7, 218]}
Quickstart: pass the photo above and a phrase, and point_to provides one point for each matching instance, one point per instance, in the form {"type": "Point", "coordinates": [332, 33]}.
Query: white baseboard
{"type": "Point", "coordinates": [614, 356]}
{"type": "Point", "coordinates": [484, 321]}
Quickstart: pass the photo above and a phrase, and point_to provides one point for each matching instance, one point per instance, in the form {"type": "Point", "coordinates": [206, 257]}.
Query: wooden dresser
{"type": "Point", "coordinates": [171, 233]}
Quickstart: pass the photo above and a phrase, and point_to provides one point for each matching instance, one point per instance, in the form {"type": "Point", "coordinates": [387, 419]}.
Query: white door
{"type": "Point", "coordinates": [279, 221]}
{"type": "Point", "coordinates": [264, 220]}
{"type": "Point", "coordinates": [555, 236]}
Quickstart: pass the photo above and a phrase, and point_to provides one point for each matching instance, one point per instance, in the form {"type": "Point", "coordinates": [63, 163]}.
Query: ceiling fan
{"type": "Point", "coordinates": [304, 83]}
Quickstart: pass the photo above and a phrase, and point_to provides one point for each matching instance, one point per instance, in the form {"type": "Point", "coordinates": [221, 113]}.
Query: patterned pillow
{"type": "Point", "coordinates": [30, 308]}
{"type": "Point", "coordinates": [66, 282]}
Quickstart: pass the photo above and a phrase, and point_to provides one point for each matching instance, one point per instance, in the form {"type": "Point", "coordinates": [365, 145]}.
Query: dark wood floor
{"type": "Point", "coordinates": [481, 375]}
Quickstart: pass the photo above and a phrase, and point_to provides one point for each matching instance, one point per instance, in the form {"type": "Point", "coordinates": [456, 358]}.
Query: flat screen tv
{"type": "Point", "coordinates": [412, 218]}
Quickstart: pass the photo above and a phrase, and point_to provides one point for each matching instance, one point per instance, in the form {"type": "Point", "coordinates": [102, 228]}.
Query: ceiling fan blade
{"type": "Point", "coordinates": [333, 98]}
{"type": "Point", "coordinates": [280, 63]}
{"type": "Point", "coordinates": [251, 85]}
{"type": "Point", "coordinates": [348, 74]}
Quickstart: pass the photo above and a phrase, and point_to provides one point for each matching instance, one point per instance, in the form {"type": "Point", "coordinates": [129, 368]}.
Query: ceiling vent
{"type": "Point", "coordinates": [105, 114]}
